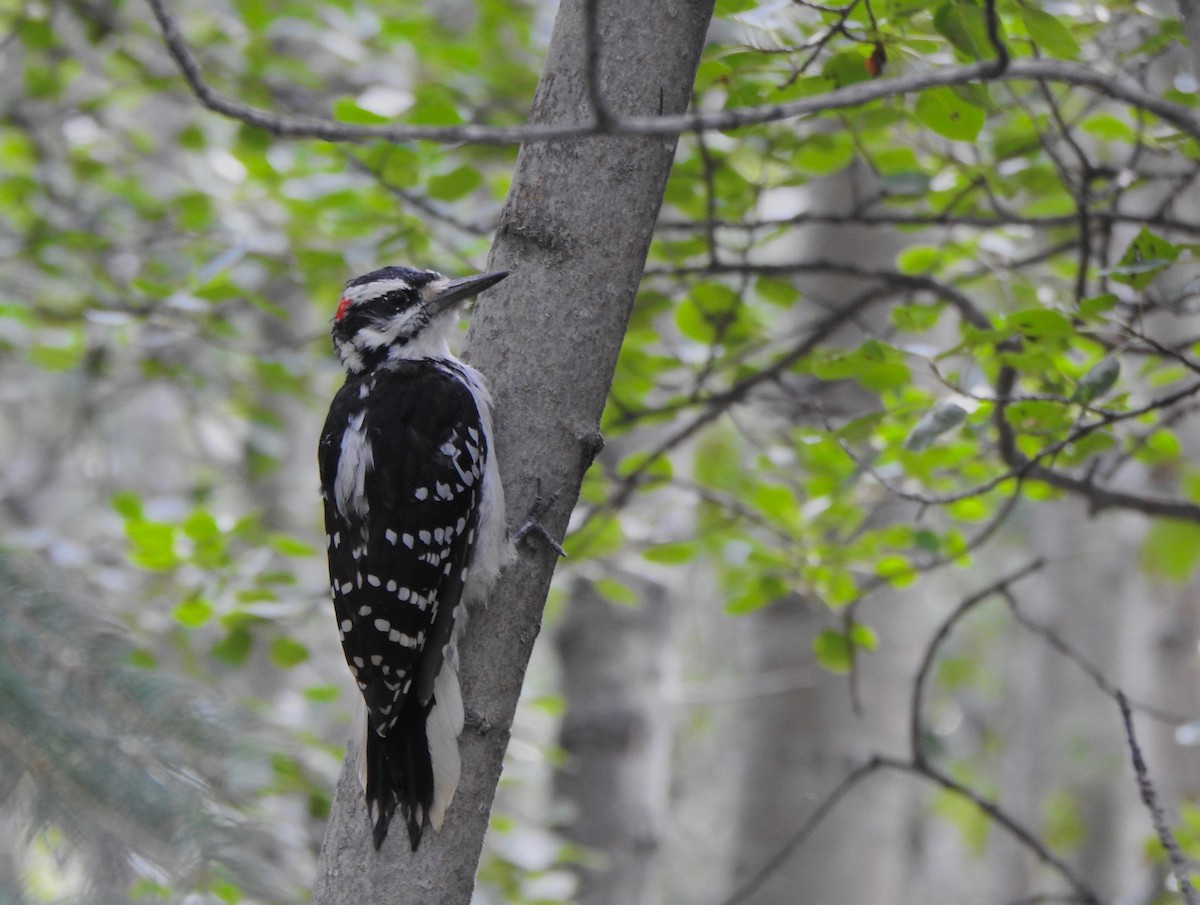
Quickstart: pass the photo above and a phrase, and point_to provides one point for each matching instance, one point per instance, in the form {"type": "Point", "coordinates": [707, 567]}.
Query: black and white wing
{"type": "Point", "coordinates": [402, 457]}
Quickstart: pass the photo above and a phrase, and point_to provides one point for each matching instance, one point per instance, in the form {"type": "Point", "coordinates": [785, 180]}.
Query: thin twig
{"type": "Point", "coordinates": [916, 721]}
{"type": "Point", "coordinates": [1085, 665]}
{"type": "Point", "coordinates": [798, 838]}
{"type": "Point", "coordinates": [1179, 865]}
{"type": "Point", "coordinates": [994, 812]}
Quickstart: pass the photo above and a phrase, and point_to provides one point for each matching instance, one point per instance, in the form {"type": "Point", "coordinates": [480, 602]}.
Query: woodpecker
{"type": "Point", "coordinates": [414, 515]}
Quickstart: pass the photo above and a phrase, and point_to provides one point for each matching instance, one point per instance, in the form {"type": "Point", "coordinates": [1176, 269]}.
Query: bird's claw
{"type": "Point", "coordinates": [533, 521]}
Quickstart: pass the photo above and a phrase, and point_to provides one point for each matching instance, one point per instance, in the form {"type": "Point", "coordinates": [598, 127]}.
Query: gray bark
{"type": "Point", "coordinates": [616, 736]}
{"type": "Point", "coordinates": [575, 230]}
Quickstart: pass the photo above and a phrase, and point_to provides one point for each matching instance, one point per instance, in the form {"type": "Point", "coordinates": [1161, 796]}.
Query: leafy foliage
{"type": "Point", "coordinates": [168, 273]}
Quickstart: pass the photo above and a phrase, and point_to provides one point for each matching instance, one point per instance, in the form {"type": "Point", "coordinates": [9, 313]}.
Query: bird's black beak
{"type": "Point", "coordinates": [455, 291]}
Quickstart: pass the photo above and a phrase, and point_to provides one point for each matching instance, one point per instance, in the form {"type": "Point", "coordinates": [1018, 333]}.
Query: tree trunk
{"type": "Point", "coordinates": [616, 736]}
{"type": "Point", "coordinates": [575, 230]}
{"type": "Point", "coordinates": [801, 742]}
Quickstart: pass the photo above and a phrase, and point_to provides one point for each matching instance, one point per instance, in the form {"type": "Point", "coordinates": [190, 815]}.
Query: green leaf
{"type": "Point", "coordinates": [943, 417]}
{"type": "Point", "coordinates": [322, 694]}
{"type": "Point", "coordinates": [598, 537]}
{"type": "Point", "coordinates": [127, 504]}
{"type": "Point", "coordinates": [1108, 127]}
{"type": "Point", "coordinates": [822, 153]}
{"type": "Point", "coordinates": [714, 312]}
{"type": "Point", "coordinates": [193, 613]}
{"type": "Point", "coordinates": [846, 68]}
{"type": "Point", "coordinates": [345, 110]}
{"type": "Point", "coordinates": [972, 823]}
{"type": "Point", "coordinates": [1145, 258]}
{"type": "Point", "coordinates": [916, 317]}
{"type": "Point", "coordinates": [57, 358]}
{"type": "Point", "coordinates": [200, 526]}
{"type": "Point", "coordinates": [1040, 323]}
{"type": "Point", "coordinates": [152, 545]}
{"type": "Point", "coordinates": [1097, 381]}
{"type": "Point", "coordinates": [290, 546]}
{"type": "Point", "coordinates": [946, 112]}
{"type": "Point", "coordinates": [718, 461]}
{"type": "Point", "coordinates": [896, 570]}
{"type": "Point", "coordinates": [235, 647]}
{"type": "Point", "coordinates": [1065, 828]}
{"type": "Point", "coordinates": [433, 105]}
{"type": "Point", "coordinates": [456, 184]}
{"type": "Point", "coordinates": [919, 259]}
{"type": "Point", "coordinates": [671, 554]}
{"type": "Point", "coordinates": [833, 650]}
{"type": "Point", "coordinates": [962, 23]}
{"type": "Point", "coordinates": [1160, 447]}
{"type": "Point", "coordinates": [1171, 551]}
{"type": "Point", "coordinates": [141, 658]}
{"type": "Point", "coordinates": [615, 591]}
{"type": "Point", "coordinates": [1095, 307]}
{"type": "Point", "coordinates": [756, 593]}
{"type": "Point", "coordinates": [776, 292]}
{"type": "Point", "coordinates": [1050, 35]}
{"type": "Point", "coordinates": [862, 635]}
{"type": "Point", "coordinates": [287, 652]}
{"type": "Point", "coordinates": [873, 365]}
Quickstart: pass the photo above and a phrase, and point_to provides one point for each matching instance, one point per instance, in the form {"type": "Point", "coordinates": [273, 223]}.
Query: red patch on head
{"type": "Point", "coordinates": [343, 305]}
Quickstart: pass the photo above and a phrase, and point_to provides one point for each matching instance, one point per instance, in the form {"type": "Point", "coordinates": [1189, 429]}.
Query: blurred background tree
{"type": "Point", "coordinates": [919, 318]}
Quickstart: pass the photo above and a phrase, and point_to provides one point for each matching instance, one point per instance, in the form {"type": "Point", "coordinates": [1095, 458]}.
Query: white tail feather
{"type": "Point", "coordinates": [358, 741]}
{"type": "Point", "coordinates": [442, 729]}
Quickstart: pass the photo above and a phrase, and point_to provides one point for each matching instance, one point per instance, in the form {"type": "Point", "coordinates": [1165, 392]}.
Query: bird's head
{"type": "Point", "coordinates": [400, 312]}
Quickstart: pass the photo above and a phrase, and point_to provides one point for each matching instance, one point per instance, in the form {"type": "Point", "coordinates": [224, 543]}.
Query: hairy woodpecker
{"type": "Point", "coordinates": [414, 515]}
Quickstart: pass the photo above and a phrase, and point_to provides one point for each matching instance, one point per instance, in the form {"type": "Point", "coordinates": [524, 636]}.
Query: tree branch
{"type": "Point", "coordinates": [916, 720]}
{"type": "Point", "coordinates": [1179, 867]}
{"type": "Point", "coordinates": [294, 126]}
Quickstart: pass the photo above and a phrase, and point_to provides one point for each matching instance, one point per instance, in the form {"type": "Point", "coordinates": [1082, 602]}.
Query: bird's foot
{"type": "Point", "coordinates": [533, 521]}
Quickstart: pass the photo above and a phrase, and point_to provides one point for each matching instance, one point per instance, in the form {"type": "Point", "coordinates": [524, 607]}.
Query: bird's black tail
{"type": "Point", "coordinates": [400, 772]}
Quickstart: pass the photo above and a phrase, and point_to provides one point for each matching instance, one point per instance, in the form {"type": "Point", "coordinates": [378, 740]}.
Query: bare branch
{"type": "Point", "coordinates": [1116, 87]}
{"type": "Point", "coordinates": [1000, 817]}
{"type": "Point", "coordinates": [993, 34]}
{"type": "Point", "coordinates": [1179, 867]}
{"type": "Point", "coordinates": [916, 717]}
{"type": "Point", "coordinates": [798, 838]}
{"type": "Point", "coordinates": [1088, 668]}
{"type": "Point", "coordinates": [889, 218]}
{"type": "Point", "coordinates": [1098, 496]}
